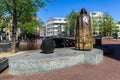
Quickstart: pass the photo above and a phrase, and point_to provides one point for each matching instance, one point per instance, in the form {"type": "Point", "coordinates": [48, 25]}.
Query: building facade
{"type": "Point", "coordinates": [55, 27]}
{"type": "Point", "coordinates": [42, 31]}
{"type": "Point", "coordinates": [5, 32]}
{"type": "Point", "coordinates": [96, 22]}
{"type": "Point", "coordinates": [118, 29]}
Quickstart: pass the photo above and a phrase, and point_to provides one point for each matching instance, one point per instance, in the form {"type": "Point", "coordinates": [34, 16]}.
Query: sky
{"type": "Point", "coordinates": [61, 8]}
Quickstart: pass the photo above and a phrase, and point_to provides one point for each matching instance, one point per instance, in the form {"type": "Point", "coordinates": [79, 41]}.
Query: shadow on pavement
{"type": "Point", "coordinates": [111, 50]}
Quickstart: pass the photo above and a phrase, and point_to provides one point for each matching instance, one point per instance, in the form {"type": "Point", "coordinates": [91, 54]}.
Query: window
{"type": "Point", "coordinates": [59, 19]}
{"type": "Point", "coordinates": [93, 13]}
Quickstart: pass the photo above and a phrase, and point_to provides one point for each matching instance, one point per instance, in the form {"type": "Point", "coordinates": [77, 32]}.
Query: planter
{"type": "Point", "coordinates": [3, 64]}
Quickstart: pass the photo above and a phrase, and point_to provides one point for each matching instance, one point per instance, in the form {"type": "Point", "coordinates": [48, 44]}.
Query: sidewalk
{"type": "Point", "coordinates": [109, 69]}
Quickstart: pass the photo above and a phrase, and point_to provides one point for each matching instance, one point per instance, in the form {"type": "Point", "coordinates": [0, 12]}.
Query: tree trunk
{"type": "Point", "coordinates": [13, 44]}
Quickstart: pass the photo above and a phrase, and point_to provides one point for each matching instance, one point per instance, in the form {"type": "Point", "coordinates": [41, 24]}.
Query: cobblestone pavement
{"type": "Point", "coordinates": [109, 69]}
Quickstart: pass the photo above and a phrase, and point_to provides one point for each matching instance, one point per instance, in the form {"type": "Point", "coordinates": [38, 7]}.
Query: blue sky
{"type": "Point", "coordinates": [61, 8]}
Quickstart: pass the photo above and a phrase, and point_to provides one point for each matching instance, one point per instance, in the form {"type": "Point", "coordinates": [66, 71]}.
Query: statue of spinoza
{"type": "Point", "coordinates": [83, 36]}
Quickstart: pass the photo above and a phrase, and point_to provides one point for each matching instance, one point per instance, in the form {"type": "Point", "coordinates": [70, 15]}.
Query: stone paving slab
{"type": "Point", "coordinates": [36, 62]}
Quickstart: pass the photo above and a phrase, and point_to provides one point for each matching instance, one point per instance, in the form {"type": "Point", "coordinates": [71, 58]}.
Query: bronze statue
{"type": "Point", "coordinates": [83, 36]}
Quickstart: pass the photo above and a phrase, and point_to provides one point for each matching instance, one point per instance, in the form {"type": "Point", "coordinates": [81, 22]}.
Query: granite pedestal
{"type": "Point", "coordinates": [36, 62]}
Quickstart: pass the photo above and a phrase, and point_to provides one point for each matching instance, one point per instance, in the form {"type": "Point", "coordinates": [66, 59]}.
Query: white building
{"type": "Point", "coordinates": [118, 29]}
{"type": "Point", "coordinates": [42, 31]}
{"type": "Point", "coordinates": [55, 27]}
{"type": "Point", "coordinates": [96, 14]}
{"type": "Point", "coordinates": [96, 17]}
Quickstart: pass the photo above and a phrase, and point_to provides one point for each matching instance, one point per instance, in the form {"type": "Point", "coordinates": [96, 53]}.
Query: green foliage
{"type": "Point", "coordinates": [22, 6]}
{"type": "Point", "coordinates": [108, 24]}
{"type": "Point", "coordinates": [22, 12]}
{"type": "Point", "coordinates": [95, 25]}
{"type": "Point", "coordinates": [30, 27]}
{"type": "Point", "coordinates": [3, 24]}
{"type": "Point", "coordinates": [71, 22]}
{"type": "Point", "coordinates": [25, 11]}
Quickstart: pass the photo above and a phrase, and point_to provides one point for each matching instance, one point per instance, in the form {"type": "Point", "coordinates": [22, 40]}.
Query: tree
{"type": "Point", "coordinates": [96, 23]}
{"type": "Point", "coordinates": [108, 25]}
{"type": "Point", "coordinates": [2, 22]}
{"type": "Point", "coordinates": [71, 22]}
{"type": "Point", "coordinates": [95, 26]}
{"type": "Point", "coordinates": [21, 11]}
{"type": "Point", "coordinates": [30, 30]}
{"type": "Point", "coordinates": [30, 26]}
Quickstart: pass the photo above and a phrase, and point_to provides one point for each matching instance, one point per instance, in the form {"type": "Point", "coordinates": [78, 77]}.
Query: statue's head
{"type": "Point", "coordinates": [83, 11]}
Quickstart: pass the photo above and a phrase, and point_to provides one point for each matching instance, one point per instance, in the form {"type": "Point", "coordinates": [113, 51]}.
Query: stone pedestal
{"type": "Point", "coordinates": [36, 62]}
